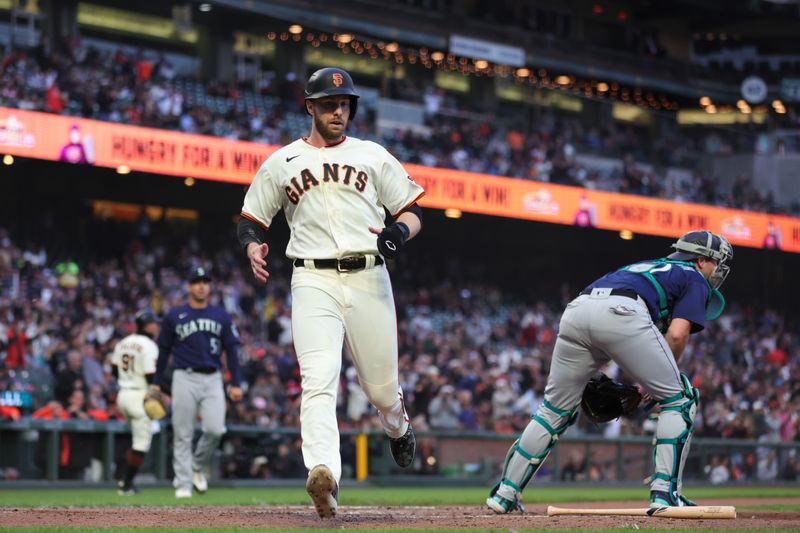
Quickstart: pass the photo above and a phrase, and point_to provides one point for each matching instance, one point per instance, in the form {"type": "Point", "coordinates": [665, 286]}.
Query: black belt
{"type": "Point", "coordinates": [200, 370]}
{"type": "Point", "coordinates": [628, 293]}
{"type": "Point", "coordinates": [345, 264]}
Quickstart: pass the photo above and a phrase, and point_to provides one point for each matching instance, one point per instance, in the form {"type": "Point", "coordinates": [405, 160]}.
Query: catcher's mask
{"type": "Point", "coordinates": [332, 81]}
{"type": "Point", "coordinates": [702, 243]}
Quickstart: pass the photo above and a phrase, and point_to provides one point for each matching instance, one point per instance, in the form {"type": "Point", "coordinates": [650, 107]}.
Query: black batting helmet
{"type": "Point", "coordinates": [332, 81]}
{"type": "Point", "coordinates": [144, 317]}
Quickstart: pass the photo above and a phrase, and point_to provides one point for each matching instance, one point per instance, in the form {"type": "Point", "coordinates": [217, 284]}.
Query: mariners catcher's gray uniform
{"type": "Point", "coordinates": [615, 318]}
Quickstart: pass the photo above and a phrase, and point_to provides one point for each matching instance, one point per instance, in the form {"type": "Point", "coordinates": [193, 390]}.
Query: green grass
{"type": "Point", "coordinates": [361, 496]}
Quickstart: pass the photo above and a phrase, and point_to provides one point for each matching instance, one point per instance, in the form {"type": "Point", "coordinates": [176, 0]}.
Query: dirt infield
{"type": "Point", "coordinates": [284, 517]}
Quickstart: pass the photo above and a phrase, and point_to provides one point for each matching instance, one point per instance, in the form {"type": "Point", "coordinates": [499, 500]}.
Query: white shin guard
{"type": "Point", "coordinates": [673, 438]}
{"type": "Point", "coordinates": [527, 454]}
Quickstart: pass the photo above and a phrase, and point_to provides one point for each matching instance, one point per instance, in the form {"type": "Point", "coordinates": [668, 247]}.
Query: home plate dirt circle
{"type": "Point", "coordinates": [447, 517]}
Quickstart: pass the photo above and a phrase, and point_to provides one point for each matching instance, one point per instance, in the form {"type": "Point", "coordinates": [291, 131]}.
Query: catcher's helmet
{"type": "Point", "coordinates": [702, 243]}
{"type": "Point", "coordinates": [144, 317]}
{"type": "Point", "coordinates": [332, 81]}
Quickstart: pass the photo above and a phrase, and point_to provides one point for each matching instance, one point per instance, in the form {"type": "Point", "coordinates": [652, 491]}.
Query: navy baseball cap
{"type": "Point", "coordinates": [199, 274]}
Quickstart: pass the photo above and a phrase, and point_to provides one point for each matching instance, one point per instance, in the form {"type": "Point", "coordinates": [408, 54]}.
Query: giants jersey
{"type": "Point", "coordinates": [135, 356]}
{"type": "Point", "coordinates": [330, 195]}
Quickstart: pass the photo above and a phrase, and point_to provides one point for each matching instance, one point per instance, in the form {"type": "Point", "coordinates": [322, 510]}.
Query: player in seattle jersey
{"type": "Point", "coordinates": [196, 334]}
{"type": "Point", "coordinates": [333, 190]}
{"type": "Point", "coordinates": [639, 316]}
{"type": "Point", "coordinates": [134, 363]}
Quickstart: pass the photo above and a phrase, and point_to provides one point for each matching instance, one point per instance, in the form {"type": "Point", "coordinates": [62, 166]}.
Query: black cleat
{"type": "Point", "coordinates": [403, 448]}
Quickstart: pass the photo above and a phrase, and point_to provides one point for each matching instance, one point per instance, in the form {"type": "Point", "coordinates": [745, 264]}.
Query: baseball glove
{"type": "Point", "coordinates": [605, 399]}
{"type": "Point", "coordinates": [154, 406]}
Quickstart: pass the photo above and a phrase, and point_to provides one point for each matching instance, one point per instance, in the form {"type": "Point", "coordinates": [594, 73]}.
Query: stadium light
{"type": "Point", "coordinates": [295, 29]}
{"type": "Point", "coordinates": [189, 182]}
{"type": "Point", "coordinates": [8, 159]}
{"type": "Point", "coordinates": [123, 169]}
{"type": "Point", "coordinates": [452, 213]}
{"type": "Point", "coordinates": [626, 235]}
{"type": "Point", "coordinates": [205, 7]}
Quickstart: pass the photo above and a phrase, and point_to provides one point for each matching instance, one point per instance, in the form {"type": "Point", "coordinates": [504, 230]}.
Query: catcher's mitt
{"type": "Point", "coordinates": [154, 406]}
{"type": "Point", "coordinates": [605, 399]}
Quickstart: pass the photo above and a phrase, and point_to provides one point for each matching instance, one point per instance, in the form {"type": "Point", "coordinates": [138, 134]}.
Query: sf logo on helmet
{"type": "Point", "coordinates": [338, 80]}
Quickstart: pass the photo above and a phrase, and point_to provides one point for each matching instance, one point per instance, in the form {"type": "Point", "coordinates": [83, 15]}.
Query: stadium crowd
{"type": "Point", "coordinates": [145, 89]}
{"type": "Point", "coordinates": [472, 357]}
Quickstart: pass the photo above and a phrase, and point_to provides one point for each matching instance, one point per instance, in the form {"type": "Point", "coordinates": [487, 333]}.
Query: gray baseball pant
{"type": "Point", "coordinates": [193, 392]}
{"type": "Point", "coordinates": [595, 328]}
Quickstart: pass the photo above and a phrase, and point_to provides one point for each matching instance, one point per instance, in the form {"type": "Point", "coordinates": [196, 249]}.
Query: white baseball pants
{"type": "Point", "coordinates": [329, 307]}
{"type": "Point", "coordinates": [131, 404]}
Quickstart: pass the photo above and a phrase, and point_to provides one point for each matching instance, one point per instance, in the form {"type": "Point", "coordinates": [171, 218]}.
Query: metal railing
{"type": "Point", "coordinates": [443, 454]}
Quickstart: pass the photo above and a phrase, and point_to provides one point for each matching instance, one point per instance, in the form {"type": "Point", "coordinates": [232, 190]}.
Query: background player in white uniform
{"type": "Point", "coordinates": [333, 190]}
{"type": "Point", "coordinates": [134, 363]}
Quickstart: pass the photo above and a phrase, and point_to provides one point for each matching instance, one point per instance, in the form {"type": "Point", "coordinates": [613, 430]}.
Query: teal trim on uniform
{"type": "Point", "coordinates": [692, 396]}
{"type": "Point", "coordinates": [556, 410]}
{"type": "Point", "coordinates": [508, 483]}
{"type": "Point", "coordinates": [522, 452]}
{"type": "Point", "coordinates": [663, 309]}
{"type": "Point", "coordinates": [671, 399]}
{"type": "Point", "coordinates": [544, 424]}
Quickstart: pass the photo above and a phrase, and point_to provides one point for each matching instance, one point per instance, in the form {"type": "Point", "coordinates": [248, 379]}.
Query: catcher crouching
{"type": "Point", "coordinates": [639, 316]}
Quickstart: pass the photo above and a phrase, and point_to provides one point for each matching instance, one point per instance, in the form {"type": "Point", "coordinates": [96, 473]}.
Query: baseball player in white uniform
{"type": "Point", "coordinates": [134, 363]}
{"type": "Point", "coordinates": [333, 190]}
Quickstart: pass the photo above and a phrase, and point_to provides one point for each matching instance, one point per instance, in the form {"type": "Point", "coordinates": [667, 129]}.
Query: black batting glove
{"type": "Point", "coordinates": [392, 239]}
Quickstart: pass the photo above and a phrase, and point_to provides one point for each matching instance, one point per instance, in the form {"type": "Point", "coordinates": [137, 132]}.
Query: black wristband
{"type": "Point", "coordinates": [248, 231]}
{"type": "Point", "coordinates": [404, 230]}
{"type": "Point", "coordinates": [392, 239]}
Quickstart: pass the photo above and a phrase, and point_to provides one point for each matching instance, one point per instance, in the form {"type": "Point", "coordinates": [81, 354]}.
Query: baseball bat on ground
{"type": "Point", "coordinates": [700, 511]}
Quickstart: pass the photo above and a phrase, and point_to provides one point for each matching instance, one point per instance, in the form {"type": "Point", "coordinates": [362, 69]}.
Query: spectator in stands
{"type": "Point", "coordinates": [444, 409]}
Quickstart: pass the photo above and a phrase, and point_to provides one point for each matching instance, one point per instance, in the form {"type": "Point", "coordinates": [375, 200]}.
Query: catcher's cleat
{"type": "Point", "coordinates": [403, 448]}
{"type": "Point", "coordinates": [660, 498]}
{"type": "Point", "coordinates": [501, 505]}
{"type": "Point", "coordinates": [324, 491]}
{"type": "Point", "coordinates": [199, 482]}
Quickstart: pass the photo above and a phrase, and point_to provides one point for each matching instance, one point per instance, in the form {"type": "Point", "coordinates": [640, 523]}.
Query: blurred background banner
{"type": "Point", "coordinates": [32, 134]}
{"type": "Point", "coordinates": [50, 137]}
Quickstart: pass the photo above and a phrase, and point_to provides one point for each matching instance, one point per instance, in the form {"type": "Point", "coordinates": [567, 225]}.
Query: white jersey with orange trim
{"type": "Point", "coordinates": [135, 357]}
{"type": "Point", "coordinates": [330, 195]}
